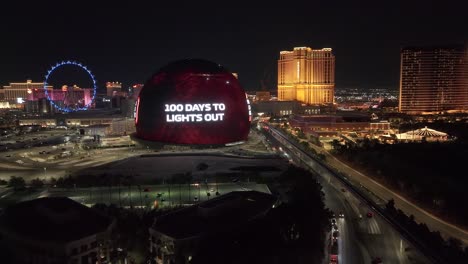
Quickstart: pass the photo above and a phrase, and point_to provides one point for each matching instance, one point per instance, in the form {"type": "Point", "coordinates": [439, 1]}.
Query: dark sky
{"type": "Point", "coordinates": [129, 42]}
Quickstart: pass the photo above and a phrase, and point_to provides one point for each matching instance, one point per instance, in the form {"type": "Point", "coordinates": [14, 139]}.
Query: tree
{"type": "Point", "coordinates": [336, 144]}
{"type": "Point", "coordinates": [128, 181]}
{"type": "Point", "coordinates": [322, 156]}
{"type": "Point", "coordinates": [455, 244]}
{"type": "Point", "coordinates": [53, 181]}
{"type": "Point", "coordinates": [301, 134]}
{"type": "Point", "coordinates": [17, 183]}
{"type": "Point", "coordinates": [305, 145]}
{"type": "Point", "coordinates": [304, 216]}
{"type": "Point", "coordinates": [37, 183]}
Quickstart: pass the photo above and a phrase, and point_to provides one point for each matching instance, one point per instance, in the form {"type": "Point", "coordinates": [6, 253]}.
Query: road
{"type": "Point", "coordinates": [37, 139]}
{"type": "Point", "coordinates": [62, 153]}
{"type": "Point", "coordinates": [29, 164]}
{"type": "Point", "coordinates": [420, 215]}
{"type": "Point", "coordinates": [360, 239]}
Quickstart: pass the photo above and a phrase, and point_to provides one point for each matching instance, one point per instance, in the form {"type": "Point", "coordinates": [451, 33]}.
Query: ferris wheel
{"type": "Point", "coordinates": [70, 98]}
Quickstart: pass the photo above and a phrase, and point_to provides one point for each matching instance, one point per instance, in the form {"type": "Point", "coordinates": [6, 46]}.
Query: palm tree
{"type": "Point", "coordinates": [169, 192]}
{"type": "Point", "coordinates": [120, 182]}
{"type": "Point", "coordinates": [141, 200]}
{"type": "Point", "coordinates": [16, 182]}
{"type": "Point", "coordinates": [128, 181]}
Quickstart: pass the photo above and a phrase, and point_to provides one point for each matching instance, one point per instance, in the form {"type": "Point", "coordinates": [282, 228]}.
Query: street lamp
{"type": "Point", "coordinates": [141, 200]}
{"type": "Point", "coordinates": [198, 185]}
{"type": "Point", "coordinates": [45, 173]}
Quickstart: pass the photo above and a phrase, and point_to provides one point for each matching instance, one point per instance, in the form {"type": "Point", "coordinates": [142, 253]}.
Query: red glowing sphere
{"type": "Point", "coordinates": [195, 102]}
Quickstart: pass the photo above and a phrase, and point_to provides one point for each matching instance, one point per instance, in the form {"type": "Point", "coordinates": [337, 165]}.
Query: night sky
{"type": "Point", "coordinates": [129, 42]}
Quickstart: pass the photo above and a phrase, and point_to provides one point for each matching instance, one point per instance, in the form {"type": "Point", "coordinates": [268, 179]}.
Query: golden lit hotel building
{"type": "Point", "coordinates": [113, 88]}
{"type": "Point", "coordinates": [433, 79]}
{"type": "Point", "coordinates": [307, 75]}
{"type": "Point", "coordinates": [14, 91]}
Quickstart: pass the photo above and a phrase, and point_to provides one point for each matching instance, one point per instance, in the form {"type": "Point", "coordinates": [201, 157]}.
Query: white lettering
{"type": "Point", "coordinates": [195, 112]}
{"type": "Point", "coordinates": [172, 118]}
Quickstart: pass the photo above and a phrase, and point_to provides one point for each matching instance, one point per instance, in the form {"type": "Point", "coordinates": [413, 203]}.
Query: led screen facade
{"type": "Point", "coordinates": [195, 102]}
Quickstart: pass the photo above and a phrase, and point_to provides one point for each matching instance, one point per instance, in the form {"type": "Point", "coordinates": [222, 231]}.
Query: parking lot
{"type": "Point", "coordinates": [143, 196]}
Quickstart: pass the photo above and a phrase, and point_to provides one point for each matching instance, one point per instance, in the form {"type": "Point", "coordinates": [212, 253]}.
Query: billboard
{"type": "Point", "coordinates": [192, 102]}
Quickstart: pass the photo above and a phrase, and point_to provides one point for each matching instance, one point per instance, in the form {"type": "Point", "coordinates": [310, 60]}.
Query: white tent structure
{"type": "Point", "coordinates": [419, 134]}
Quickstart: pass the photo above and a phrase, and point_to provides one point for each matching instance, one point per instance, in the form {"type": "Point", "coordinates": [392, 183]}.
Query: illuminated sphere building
{"type": "Point", "coordinates": [194, 102]}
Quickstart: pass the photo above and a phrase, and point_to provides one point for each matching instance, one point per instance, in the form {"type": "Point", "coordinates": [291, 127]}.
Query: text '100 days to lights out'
{"type": "Point", "coordinates": [205, 112]}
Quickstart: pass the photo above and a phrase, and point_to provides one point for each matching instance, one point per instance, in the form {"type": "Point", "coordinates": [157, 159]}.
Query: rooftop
{"type": "Point", "coordinates": [220, 213]}
{"type": "Point", "coordinates": [56, 219]}
{"type": "Point", "coordinates": [333, 118]}
{"type": "Point", "coordinates": [88, 114]}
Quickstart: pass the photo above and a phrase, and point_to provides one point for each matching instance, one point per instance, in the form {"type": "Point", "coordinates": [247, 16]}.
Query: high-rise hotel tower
{"type": "Point", "coordinates": [433, 79]}
{"type": "Point", "coordinates": [307, 75]}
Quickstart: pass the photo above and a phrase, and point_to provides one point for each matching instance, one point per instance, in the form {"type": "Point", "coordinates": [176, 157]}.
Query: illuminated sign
{"type": "Point", "coordinates": [249, 107]}
{"type": "Point", "coordinates": [135, 110]}
{"type": "Point", "coordinates": [205, 112]}
{"type": "Point", "coordinates": [192, 102]}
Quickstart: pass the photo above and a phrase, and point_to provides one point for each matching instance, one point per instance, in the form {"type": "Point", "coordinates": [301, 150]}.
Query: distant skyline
{"type": "Point", "coordinates": [128, 42]}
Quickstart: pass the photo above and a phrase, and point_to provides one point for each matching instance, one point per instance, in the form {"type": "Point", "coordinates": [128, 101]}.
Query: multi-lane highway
{"type": "Point", "coordinates": [361, 238]}
{"type": "Point", "coordinates": [420, 215]}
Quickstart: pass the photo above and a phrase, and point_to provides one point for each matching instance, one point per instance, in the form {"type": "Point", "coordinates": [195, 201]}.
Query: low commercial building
{"type": "Point", "coordinates": [382, 125]}
{"type": "Point", "coordinates": [284, 108]}
{"type": "Point", "coordinates": [43, 122]}
{"type": "Point", "coordinates": [95, 130]}
{"type": "Point", "coordinates": [54, 230]}
{"type": "Point", "coordinates": [313, 123]}
{"type": "Point", "coordinates": [177, 236]}
{"type": "Point", "coordinates": [117, 124]}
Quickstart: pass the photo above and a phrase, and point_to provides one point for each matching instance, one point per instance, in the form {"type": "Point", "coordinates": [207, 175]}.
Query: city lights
{"type": "Point", "coordinates": [69, 109]}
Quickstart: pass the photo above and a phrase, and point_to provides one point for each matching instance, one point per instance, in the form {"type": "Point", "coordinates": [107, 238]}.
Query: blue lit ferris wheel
{"type": "Point", "coordinates": [69, 100]}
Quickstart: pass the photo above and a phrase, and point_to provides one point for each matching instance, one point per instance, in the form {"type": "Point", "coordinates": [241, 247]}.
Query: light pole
{"type": "Point", "coordinates": [141, 200]}
{"type": "Point", "coordinates": [169, 193]}
{"type": "Point", "coordinates": [45, 173]}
